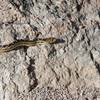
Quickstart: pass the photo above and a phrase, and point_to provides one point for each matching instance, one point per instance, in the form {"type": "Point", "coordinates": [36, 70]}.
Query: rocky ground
{"type": "Point", "coordinates": [68, 70]}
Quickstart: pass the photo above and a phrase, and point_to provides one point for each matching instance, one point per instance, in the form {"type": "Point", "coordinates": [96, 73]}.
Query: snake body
{"type": "Point", "coordinates": [26, 43]}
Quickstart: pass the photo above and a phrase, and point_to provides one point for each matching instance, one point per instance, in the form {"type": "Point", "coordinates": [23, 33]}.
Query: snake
{"type": "Point", "coordinates": [26, 43]}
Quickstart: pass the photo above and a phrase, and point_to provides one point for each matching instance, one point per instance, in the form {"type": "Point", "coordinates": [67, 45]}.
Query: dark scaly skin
{"type": "Point", "coordinates": [26, 43]}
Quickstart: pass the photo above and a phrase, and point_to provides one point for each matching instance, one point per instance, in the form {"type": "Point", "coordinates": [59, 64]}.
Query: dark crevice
{"type": "Point", "coordinates": [75, 31]}
{"type": "Point", "coordinates": [73, 38]}
{"type": "Point", "coordinates": [99, 12]}
{"type": "Point", "coordinates": [32, 75]}
{"type": "Point", "coordinates": [88, 39]}
{"type": "Point", "coordinates": [95, 97]}
{"type": "Point", "coordinates": [14, 32]}
{"type": "Point", "coordinates": [52, 52]}
{"type": "Point", "coordinates": [47, 7]}
{"type": "Point", "coordinates": [64, 8]}
{"type": "Point", "coordinates": [77, 75]}
{"type": "Point", "coordinates": [69, 71]}
{"type": "Point", "coordinates": [57, 77]}
{"type": "Point", "coordinates": [25, 50]}
{"type": "Point", "coordinates": [36, 1]}
{"type": "Point", "coordinates": [98, 24]}
{"type": "Point", "coordinates": [15, 5]}
{"type": "Point", "coordinates": [49, 2]}
{"type": "Point", "coordinates": [91, 55]}
{"type": "Point", "coordinates": [79, 6]}
{"type": "Point", "coordinates": [88, 42]}
{"type": "Point", "coordinates": [74, 26]}
{"type": "Point", "coordinates": [55, 12]}
{"type": "Point", "coordinates": [97, 66]}
{"type": "Point", "coordinates": [89, 1]}
{"type": "Point", "coordinates": [26, 4]}
{"type": "Point", "coordinates": [35, 29]}
{"type": "Point", "coordinates": [86, 99]}
{"type": "Point", "coordinates": [83, 37]}
{"type": "Point", "coordinates": [69, 15]}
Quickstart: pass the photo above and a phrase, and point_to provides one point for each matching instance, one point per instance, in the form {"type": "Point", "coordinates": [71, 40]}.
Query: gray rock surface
{"type": "Point", "coordinates": [68, 70]}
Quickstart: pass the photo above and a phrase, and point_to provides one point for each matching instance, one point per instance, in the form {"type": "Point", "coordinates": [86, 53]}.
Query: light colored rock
{"type": "Point", "coordinates": [68, 70]}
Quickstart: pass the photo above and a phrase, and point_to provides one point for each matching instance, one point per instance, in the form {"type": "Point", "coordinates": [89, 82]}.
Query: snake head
{"type": "Point", "coordinates": [51, 40]}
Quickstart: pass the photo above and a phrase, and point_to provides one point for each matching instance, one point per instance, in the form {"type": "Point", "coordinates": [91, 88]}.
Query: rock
{"type": "Point", "coordinates": [66, 70]}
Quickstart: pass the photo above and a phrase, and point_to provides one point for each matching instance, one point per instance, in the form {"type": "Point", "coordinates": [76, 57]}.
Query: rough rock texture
{"type": "Point", "coordinates": [62, 71]}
